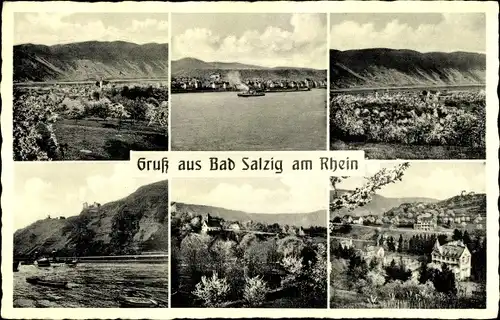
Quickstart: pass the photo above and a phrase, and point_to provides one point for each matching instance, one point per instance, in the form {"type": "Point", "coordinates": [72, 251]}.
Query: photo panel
{"type": "Point", "coordinates": [417, 242]}
{"type": "Point", "coordinates": [408, 85]}
{"type": "Point", "coordinates": [248, 243]}
{"type": "Point", "coordinates": [249, 81]}
{"type": "Point", "coordinates": [81, 242]}
{"type": "Point", "coordinates": [89, 86]}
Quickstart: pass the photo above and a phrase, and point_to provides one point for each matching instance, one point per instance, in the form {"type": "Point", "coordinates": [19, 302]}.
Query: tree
{"type": "Point", "coordinates": [390, 244]}
{"type": "Point", "coordinates": [357, 269]}
{"type": "Point", "coordinates": [425, 274]}
{"type": "Point", "coordinates": [363, 195]}
{"type": "Point", "coordinates": [255, 291]}
{"type": "Point", "coordinates": [444, 281]}
{"type": "Point", "coordinates": [467, 239]}
{"type": "Point", "coordinates": [400, 243]}
{"type": "Point", "coordinates": [212, 291]}
{"type": "Point", "coordinates": [457, 235]}
{"type": "Point", "coordinates": [442, 238]}
{"type": "Point", "coordinates": [397, 272]}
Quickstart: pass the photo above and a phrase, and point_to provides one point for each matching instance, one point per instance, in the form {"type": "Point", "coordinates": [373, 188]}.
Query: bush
{"type": "Point", "coordinates": [33, 119]}
{"type": "Point", "coordinates": [255, 291]}
{"type": "Point", "coordinates": [212, 291]}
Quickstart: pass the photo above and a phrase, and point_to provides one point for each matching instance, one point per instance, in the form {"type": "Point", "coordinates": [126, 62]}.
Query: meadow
{"type": "Point", "coordinates": [83, 121]}
{"type": "Point", "coordinates": [410, 125]}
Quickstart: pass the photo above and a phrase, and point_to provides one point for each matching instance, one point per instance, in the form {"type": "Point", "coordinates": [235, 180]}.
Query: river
{"type": "Point", "coordinates": [91, 285]}
{"type": "Point", "coordinates": [222, 121]}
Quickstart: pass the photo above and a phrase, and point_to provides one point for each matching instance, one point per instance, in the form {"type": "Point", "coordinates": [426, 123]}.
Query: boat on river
{"type": "Point", "coordinates": [136, 302]}
{"type": "Point", "coordinates": [48, 283]}
{"type": "Point", "coordinates": [251, 93]}
{"type": "Point", "coordinates": [72, 263]}
{"type": "Point", "coordinates": [43, 262]}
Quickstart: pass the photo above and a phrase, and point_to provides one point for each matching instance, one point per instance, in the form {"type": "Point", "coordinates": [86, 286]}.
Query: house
{"type": "Point", "coordinates": [346, 243]}
{"type": "Point", "coordinates": [235, 226]}
{"type": "Point", "coordinates": [301, 232]}
{"type": "Point", "coordinates": [425, 222]}
{"type": "Point", "coordinates": [455, 255]}
{"type": "Point", "coordinates": [358, 220]}
{"type": "Point", "coordinates": [347, 219]}
{"type": "Point", "coordinates": [210, 224]}
{"type": "Point", "coordinates": [372, 252]}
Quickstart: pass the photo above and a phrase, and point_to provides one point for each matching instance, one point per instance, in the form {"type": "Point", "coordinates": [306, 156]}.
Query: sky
{"type": "Point", "coordinates": [437, 180]}
{"type": "Point", "coordinates": [257, 195]}
{"type": "Point", "coordinates": [60, 189]}
{"type": "Point", "coordinates": [424, 32]}
{"type": "Point", "coordinates": [58, 28]}
{"type": "Point", "coordinates": [271, 40]}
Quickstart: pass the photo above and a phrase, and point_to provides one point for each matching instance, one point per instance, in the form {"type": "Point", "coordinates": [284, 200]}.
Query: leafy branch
{"type": "Point", "coordinates": [361, 196]}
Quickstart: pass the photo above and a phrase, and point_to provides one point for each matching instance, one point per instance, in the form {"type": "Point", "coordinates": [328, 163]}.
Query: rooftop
{"type": "Point", "coordinates": [452, 249]}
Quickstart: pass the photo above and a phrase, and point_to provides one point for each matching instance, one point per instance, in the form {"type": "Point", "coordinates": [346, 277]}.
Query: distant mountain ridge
{"type": "Point", "coordinates": [148, 206]}
{"type": "Point", "coordinates": [191, 67]}
{"type": "Point", "coordinates": [379, 204]}
{"type": "Point", "coordinates": [382, 67]}
{"type": "Point", "coordinates": [316, 218]}
{"type": "Point", "coordinates": [88, 60]}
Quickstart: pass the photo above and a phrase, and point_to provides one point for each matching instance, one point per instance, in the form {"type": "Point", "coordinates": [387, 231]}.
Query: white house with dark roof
{"type": "Point", "coordinates": [357, 220]}
{"type": "Point", "coordinates": [455, 255]}
{"type": "Point", "coordinates": [210, 224]}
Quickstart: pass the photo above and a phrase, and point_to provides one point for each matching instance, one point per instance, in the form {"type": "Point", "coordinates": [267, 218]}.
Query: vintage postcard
{"type": "Point", "coordinates": [276, 159]}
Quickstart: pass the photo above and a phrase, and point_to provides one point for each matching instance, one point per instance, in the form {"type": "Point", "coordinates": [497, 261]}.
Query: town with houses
{"type": "Point", "coordinates": [415, 242]}
{"type": "Point", "coordinates": [216, 82]}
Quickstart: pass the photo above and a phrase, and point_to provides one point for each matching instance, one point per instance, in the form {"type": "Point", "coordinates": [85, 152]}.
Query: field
{"type": "Point", "coordinates": [410, 124]}
{"type": "Point", "coordinates": [82, 121]}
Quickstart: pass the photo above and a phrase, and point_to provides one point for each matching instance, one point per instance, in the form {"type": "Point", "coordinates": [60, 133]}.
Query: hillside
{"type": "Point", "coordinates": [148, 206]}
{"type": "Point", "coordinates": [190, 67]}
{"type": "Point", "coordinates": [379, 205]}
{"type": "Point", "coordinates": [472, 205]}
{"type": "Point", "coordinates": [88, 60]}
{"type": "Point", "coordinates": [316, 218]}
{"type": "Point", "coordinates": [388, 67]}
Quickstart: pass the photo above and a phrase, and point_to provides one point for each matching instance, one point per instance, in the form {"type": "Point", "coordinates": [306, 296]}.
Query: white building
{"type": "Point", "coordinates": [455, 255]}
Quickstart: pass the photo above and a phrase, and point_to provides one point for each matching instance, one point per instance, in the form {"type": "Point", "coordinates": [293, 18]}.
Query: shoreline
{"type": "Point", "coordinates": [232, 91]}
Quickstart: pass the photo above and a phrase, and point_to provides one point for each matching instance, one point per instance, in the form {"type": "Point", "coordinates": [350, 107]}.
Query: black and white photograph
{"type": "Point", "coordinates": [249, 243]}
{"type": "Point", "coordinates": [408, 85]}
{"type": "Point", "coordinates": [89, 236]}
{"type": "Point", "coordinates": [248, 81]}
{"type": "Point", "coordinates": [89, 86]}
{"type": "Point", "coordinates": [409, 235]}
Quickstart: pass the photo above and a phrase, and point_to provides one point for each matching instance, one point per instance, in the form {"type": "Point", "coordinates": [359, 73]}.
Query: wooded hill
{"type": "Point", "coordinates": [195, 68]}
{"type": "Point", "coordinates": [90, 60]}
{"type": "Point", "coordinates": [134, 224]}
{"type": "Point", "coordinates": [381, 67]}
